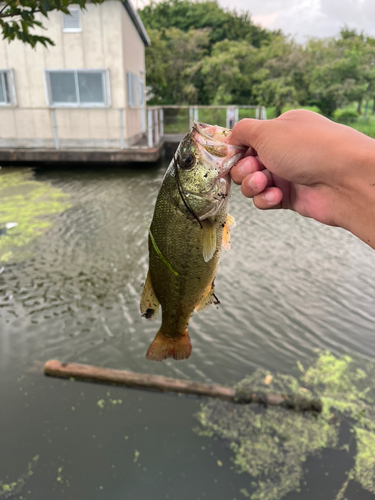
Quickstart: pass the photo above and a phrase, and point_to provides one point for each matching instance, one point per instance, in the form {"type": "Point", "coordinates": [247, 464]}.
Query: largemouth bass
{"type": "Point", "coordinates": [188, 229]}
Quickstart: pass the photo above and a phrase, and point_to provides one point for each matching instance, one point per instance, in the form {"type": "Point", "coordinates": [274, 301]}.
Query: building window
{"type": "Point", "coordinates": [78, 88]}
{"type": "Point", "coordinates": [72, 21]}
{"type": "Point", "coordinates": [134, 90]}
{"type": "Point", "coordinates": [7, 91]}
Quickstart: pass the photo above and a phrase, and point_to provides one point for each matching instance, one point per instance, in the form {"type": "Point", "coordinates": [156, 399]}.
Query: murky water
{"type": "Point", "coordinates": [287, 287]}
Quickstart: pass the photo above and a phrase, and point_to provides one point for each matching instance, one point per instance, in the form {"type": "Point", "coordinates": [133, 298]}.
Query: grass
{"type": "Point", "coordinates": [347, 116]}
{"type": "Point", "coordinates": [177, 120]}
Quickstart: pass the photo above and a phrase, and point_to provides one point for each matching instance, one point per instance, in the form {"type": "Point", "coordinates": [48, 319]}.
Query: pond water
{"type": "Point", "coordinates": [71, 273]}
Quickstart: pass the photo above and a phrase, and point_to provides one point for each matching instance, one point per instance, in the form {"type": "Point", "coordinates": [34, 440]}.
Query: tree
{"type": "Point", "coordinates": [280, 79]}
{"type": "Point", "coordinates": [188, 14]}
{"type": "Point", "coordinates": [172, 65]}
{"type": "Point", "coordinates": [19, 17]}
{"type": "Point", "coordinates": [228, 72]}
{"type": "Point", "coordinates": [337, 71]}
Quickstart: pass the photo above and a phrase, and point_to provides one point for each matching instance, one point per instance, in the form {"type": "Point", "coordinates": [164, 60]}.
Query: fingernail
{"type": "Point", "coordinates": [269, 196]}
{"type": "Point", "coordinates": [252, 183]}
{"type": "Point", "coordinates": [246, 168]}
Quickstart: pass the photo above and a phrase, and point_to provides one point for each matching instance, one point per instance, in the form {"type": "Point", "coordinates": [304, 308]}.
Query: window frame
{"type": "Point", "coordinates": [12, 89]}
{"type": "Point", "coordinates": [72, 30]}
{"type": "Point", "coordinates": [131, 88]}
{"type": "Point", "coordinates": [105, 83]}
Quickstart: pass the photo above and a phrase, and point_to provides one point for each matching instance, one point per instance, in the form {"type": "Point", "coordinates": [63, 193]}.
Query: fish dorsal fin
{"type": "Point", "coordinates": [149, 301]}
{"type": "Point", "coordinates": [207, 299]}
{"type": "Point", "coordinates": [209, 240]}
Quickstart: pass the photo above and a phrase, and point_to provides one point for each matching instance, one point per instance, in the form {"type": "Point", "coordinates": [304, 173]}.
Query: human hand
{"type": "Point", "coordinates": [307, 163]}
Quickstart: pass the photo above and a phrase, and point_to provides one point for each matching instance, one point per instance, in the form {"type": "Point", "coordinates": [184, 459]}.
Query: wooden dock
{"type": "Point", "coordinates": [139, 153]}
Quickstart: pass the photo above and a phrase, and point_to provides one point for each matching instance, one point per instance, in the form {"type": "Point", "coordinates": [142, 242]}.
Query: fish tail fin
{"type": "Point", "coordinates": [164, 347]}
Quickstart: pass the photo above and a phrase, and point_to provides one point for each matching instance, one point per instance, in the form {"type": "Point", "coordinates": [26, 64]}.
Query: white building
{"type": "Point", "coordinates": [88, 91]}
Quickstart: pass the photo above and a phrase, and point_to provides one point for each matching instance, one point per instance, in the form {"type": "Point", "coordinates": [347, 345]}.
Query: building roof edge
{"type": "Point", "coordinates": [137, 22]}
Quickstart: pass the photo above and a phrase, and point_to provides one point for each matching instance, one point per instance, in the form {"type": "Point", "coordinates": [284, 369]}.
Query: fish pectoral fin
{"type": "Point", "coordinates": [149, 301]}
{"type": "Point", "coordinates": [226, 236]}
{"type": "Point", "coordinates": [164, 347]}
{"type": "Point", "coordinates": [209, 240]}
{"type": "Point", "coordinates": [230, 222]}
{"type": "Point", "coordinates": [207, 299]}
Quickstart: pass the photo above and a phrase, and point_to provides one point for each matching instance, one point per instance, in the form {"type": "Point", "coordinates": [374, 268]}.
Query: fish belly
{"type": "Point", "coordinates": [180, 241]}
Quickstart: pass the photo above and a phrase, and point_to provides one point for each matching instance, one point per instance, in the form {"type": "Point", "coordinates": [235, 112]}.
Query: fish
{"type": "Point", "coordinates": [189, 227]}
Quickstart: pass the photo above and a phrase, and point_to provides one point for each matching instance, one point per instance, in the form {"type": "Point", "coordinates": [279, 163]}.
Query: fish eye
{"type": "Point", "coordinates": [187, 161]}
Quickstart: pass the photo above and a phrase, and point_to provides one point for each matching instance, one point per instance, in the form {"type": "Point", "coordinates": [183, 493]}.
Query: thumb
{"type": "Point", "coordinates": [249, 132]}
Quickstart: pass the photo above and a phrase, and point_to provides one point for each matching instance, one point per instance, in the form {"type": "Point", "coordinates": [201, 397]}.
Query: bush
{"type": "Point", "coordinates": [345, 116]}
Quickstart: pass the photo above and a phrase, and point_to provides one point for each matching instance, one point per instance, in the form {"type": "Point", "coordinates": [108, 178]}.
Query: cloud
{"type": "Point", "coordinates": [265, 20]}
{"type": "Point", "coordinates": [306, 18]}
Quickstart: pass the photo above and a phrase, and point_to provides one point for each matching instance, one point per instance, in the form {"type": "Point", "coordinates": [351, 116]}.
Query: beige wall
{"type": "Point", "coordinates": [108, 40]}
{"type": "Point", "coordinates": [134, 61]}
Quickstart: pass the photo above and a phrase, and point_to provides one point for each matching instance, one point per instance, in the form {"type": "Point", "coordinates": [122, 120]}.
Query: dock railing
{"type": "Point", "coordinates": [71, 128]}
{"type": "Point", "coordinates": [164, 120]}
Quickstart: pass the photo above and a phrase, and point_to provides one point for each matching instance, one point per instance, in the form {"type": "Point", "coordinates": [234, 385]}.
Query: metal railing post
{"type": "Point", "coordinates": [236, 115]}
{"type": "Point", "coordinates": [122, 142]}
{"type": "Point", "coordinates": [150, 127]}
{"type": "Point", "coordinates": [191, 116]}
{"type": "Point", "coordinates": [161, 122]}
{"type": "Point", "coordinates": [157, 138]}
{"type": "Point", "coordinates": [257, 113]}
{"type": "Point", "coordinates": [55, 129]}
{"type": "Point", "coordinates": [143, 119]}
{"type": "Point", "coordinates": [231, 116]}
{"type": "Point", "coordinates": [196, 112]}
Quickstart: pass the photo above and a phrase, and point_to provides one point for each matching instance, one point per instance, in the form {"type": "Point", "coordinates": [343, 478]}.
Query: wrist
{"type": "Point", "coordinates": [358, 191]}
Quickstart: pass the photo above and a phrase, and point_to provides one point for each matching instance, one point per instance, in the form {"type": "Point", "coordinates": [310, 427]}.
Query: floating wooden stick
{"type": "Point", "coordinates": [55, 368]}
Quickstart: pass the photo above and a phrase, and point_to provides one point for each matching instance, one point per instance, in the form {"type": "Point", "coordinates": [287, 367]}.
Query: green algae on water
{"type": "Point", "coordinates": [29, 204]}
{"type": "Point", "coordinates": [9, 490]}
{"type": "Point", "coordinates": [272, 445]}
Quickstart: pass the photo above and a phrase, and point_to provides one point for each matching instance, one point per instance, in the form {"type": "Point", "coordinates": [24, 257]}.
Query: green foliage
{"type": "Point", "coordinates": [186, 15]}
{"type": "Point", "coordinates": [228, 72]}
{"type": "Point", "coordinates": [338, 73]}
{"type": "Point", "coordinates": [272, 446]}
{"type": "Point", "coordinates": [29, 204]}
{"type": "Point", "coordinates": [200, 53]}
{"type": "Point", "coordinates": [18, 18]}
{"type": "Point", "coordinates": [229, 60]}
{"type": "Point", "coordinates": [173, 67]}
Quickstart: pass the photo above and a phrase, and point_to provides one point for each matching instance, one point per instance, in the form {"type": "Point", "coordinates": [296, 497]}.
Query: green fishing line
{"type": "Point", "coordinates": [159, 252]}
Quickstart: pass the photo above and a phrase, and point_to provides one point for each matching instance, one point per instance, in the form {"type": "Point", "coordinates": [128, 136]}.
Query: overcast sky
{"type": "Point", "coordinates": [306, 18]}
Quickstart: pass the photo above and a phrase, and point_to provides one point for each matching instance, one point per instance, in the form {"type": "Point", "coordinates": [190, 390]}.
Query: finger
{"type": "Point", "coordinates": [251, 152]}
{"type": "Point", "coordinates": [255, 183]}
{"type": "Point", "coordinates": [269, 198]}
{"type": "Point", "coordinates": [248, 132]}
{"type": "Point", "coordinates": [260, 162]}
{"type": "Point", "coordinates": [244, 167]}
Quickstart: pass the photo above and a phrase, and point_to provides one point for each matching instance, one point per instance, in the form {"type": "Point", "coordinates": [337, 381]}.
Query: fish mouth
{"type": "Point", "coordinates": [214, 149]}
{"type": "Point", "coordinates": [212, 152]}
